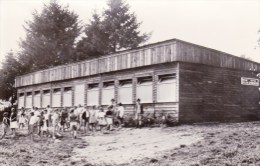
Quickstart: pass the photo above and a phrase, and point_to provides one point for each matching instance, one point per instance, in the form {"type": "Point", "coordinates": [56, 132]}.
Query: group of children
{"type": "Point", "coordinates": [50, 122]}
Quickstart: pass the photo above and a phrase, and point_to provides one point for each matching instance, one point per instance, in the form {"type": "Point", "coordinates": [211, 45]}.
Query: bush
{"type": "Point", "coordinates": [129, 121]}
{"type": "Point", "coordinates": [171, 120]}
{"type": "Point", "coordinates": [150, 120]}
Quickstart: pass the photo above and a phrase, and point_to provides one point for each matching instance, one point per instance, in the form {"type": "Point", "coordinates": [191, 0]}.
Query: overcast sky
{"type": "Point", "coordinates": [227, 25]}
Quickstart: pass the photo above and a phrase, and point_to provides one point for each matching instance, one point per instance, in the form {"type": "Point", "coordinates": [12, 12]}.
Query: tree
{"type": "Point", "coordinates": [10, 69]}
{"type": "Point", "coordinates": [122, 26]}
{"type": "Point", "coordinates": [95, 43]}
{"type": "Point", "coordinates": [50, 38]}
{"type": "Point", "coordinates": [117, 29]}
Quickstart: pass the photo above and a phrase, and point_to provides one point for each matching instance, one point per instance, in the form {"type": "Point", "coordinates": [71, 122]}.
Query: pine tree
{"type": "Point", "coordinates": [117, 29]}
{"type": "Point", "coordinates": [122, 26]}
{"type": "Point", "coordinates": [95, 43]}
{"type": "Point", "coordinates": [10, 69]}
{"type": "Point", "coordinates": [50, 38]}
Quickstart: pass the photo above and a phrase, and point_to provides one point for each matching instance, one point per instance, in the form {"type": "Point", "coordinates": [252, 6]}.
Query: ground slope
{"type": "Point", "coordinates": [194, 145]}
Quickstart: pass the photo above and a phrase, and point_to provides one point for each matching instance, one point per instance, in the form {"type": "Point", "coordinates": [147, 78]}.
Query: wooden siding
{"type": "Point", "coordinates": [157, 108]}
{"type": "Point", "coordinates": [215, 94]}
{"type": "Point", "coordinates": [158, 53]}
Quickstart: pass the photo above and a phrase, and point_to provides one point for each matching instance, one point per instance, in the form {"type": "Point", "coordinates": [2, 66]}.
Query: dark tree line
{"type": "Point", "coordinates": [53, 37]}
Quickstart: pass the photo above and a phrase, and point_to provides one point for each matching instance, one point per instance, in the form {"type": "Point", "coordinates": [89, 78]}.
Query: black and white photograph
{"type": "Point", "coordinates": [129, 83]}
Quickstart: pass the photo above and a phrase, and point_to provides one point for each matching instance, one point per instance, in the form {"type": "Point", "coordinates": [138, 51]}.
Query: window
{"type": "Point", "coordinates": [28, 100]}
{"type": "Point", "coordinates": [144, 89]}
{"type": "Point", "coordinates": [166, 88]}
{"type": "Point", "coordinates": [67, 97]}
{"type": "Point", "coordinates": [125, 91]}
{"type": "Point", "coordinates": [46, 98]}
{"type": "Point", "coordinates": [56, 97]}
{"type": "Point", "coordinates": [37, 99]}
{"type": "Point", "coordinates": [108, 92]}
{"type": "Point", "coordinates": [92, 94]}
{"type": "Point", "coordinates": [21, 100]}
{"type": "Point", "coordinates": [79, 94]}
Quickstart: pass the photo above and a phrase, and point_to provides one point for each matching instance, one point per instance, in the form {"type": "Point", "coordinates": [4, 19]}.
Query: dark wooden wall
{"type": "Point", "coordinates": [209, 94]}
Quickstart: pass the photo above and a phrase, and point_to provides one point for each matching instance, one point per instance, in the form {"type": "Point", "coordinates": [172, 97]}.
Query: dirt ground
{"type": "Point", "coordinates": [186, 145]}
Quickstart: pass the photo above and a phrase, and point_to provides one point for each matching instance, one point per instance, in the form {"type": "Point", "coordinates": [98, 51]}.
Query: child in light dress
{"type": "Point", "coordinates": [22, 120]}
{"type": "Point", "coordinates": [101, 119]}
{"type": "Point", "coordinates": [13, 121]}
{"type": "Point", "coordinates": [45, 123]}
{"type": "Point", "coordinates": [33, 124]}
{"type": "Point", "coordinates": [93, 119]}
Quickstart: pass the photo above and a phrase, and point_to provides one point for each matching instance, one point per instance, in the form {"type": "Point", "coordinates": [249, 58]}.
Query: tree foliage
{"type": "Point", "coordinates": [117, 29]}
{"type": "Point", "coordinates": [50, 37]}
{"type": "Point", "coordinates": [50, 40]}
{"type": "Point", "coordinates": [95, 43]}
{"type": "Point", "coordinates": [10, 69]}
{"type": "Point", "coordinates": [52, 34]}
{"type": "Point", "coordinates": [122, 26]}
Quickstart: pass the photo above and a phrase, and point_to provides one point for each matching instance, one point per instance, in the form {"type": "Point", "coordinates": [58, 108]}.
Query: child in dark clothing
{"type": "Point", "coordinates": [109, 118]}
{"type": "Point", "coordinates": [40, 123]}
{"type": "Point", "coordinates": [5, 124]}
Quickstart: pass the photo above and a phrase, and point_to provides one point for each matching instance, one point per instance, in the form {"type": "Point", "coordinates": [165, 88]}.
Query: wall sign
{"type": "Point", "coordinates": [249, 81]}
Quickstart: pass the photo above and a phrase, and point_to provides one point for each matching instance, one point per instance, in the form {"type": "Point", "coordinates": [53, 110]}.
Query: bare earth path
{"type": "Point", "coordinates": [187, 145]}
{"type": "Point", "coordinates": [129, 145]}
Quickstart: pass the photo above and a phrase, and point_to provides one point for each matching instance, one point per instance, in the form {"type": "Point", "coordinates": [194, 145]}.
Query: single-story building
{"type": "Point", "coordinates": [191, 82]}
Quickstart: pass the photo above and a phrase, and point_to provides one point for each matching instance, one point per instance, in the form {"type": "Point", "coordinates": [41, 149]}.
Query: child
{"type": "Point", "coordinates": [45, 123]}
{"type": "Point", "coordinates": [13, 121]}
{"type": "Point", "coordinates": [22, 120]}
{"type": "Point", "coordinates": [101, 119]}
{"type": "Point", "coordinates": [40, 123]}
{"type": "Point", "coordinates": [121, 112]}
{"type": "Point", "coordinates": [109, 118]}
{"type": "Point", "coordinates": [73, 123]}
{"type": "Point", "coordinates": [32, 127]}
{"type": "Point", "coordinates": [138, 113]}
{"type": "Point", "coordinates": [55, 123]}
{"type": "Point", "coordinates": [63, 120]}
{"type": "Point", "coordinates": [92, 118]}
{"type": "Point", "coordinates": [85, 118]}
{"type": "Point", "coordinates": [5, 124]}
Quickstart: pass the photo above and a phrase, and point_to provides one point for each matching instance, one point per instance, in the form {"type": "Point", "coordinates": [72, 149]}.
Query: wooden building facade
{"type": "Point", "coordinates": [190, 82]}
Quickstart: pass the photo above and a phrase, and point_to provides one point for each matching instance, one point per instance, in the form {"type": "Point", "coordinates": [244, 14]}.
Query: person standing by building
{"type": "Point", "coordinates": [13, 121]}
{"type": "Point", "coordinates": [85, 118]}
{"type": "Point", "coordinates": [40, 123]}
{"type": "Point", "coordinates": [109, 118]}
{"type": "Point", "coordinates": [101, 119]}
{"type": "Point", "coordinates": [113, 106]}
{"type": "Point", "coordinates": [138, 113]}
{"type": "Point", "coordinates": [93, 119]}
{"type": "Point", "coordinates": [55, 123]}
{"type": "Point", "coordinates": [32, 126]}
{"type": "Point", "coordinates": [22, 119]}
{"type": "Point", "coordinates": [73, 123]}
{"type": "Point", "coordinates": [37, 112]}
{"type": "Point", "coordinates": [63, 121]}
{"type": "Point", "coordinates": [49, 113]}
{"type": "Point", "coordinates": [46, 123]}
{"type": "Point", "coordinates": [5, 124]}
{"type": "Point", "coordinates": [121, 112]}
{"type": "Point", "coordinates": [79, 113]}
